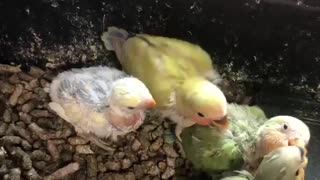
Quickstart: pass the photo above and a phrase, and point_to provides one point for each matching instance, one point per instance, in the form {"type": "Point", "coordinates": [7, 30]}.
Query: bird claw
{"type": "Point", "coordinates": [305, 162]}
{"type": "Point", "coordinates": [47, 88]}
{"type": "Point", "coordinates": [179, 138]}
{"type": "Point", "coordinates": [58, 110]}
{"type": "Point", "coordinates": [181, 150]}
{"type": "Point", "coordinates": [301, 175]}
{"type": "Point", "coordinates": [178, 132]}
{"type": "Point", "coordinates": [98, 142]}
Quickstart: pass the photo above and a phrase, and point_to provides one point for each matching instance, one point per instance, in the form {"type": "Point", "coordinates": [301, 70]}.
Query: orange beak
{"type": "Point", "coordinates": [222, 123]}
{"type": "Point", "coordinates": [149, 104]}
{"type": "Point", "coordinates": [297, 142]}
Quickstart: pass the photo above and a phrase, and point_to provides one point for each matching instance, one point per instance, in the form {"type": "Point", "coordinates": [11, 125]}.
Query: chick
{"type": "Point", "coordinates": [252, 137]}
{"type": "Point", "coordinates": [285, 163]}
{"type": "Point", "coordinates": [280, 131]}
{"type": "Point", "coordinates": [178, 74]}
{"type": "Point", "coordinates": [100, 102]}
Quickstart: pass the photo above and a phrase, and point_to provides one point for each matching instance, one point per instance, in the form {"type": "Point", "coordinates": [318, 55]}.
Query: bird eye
{"type": "Point", "coordinates": [285, 127]}
{"type": "Point", "coordinates": [297, 173]}
{"type": "Point", "coordinates": [130, 107]}
{"type": "Point", "coordinates": [200, 114]}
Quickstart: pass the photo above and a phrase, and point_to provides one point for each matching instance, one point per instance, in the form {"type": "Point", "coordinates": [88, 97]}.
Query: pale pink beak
{"type": "Point", "coordinates": [149, 104]}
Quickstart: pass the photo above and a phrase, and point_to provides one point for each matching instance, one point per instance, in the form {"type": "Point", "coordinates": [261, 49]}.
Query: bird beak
{"type": "Point", "coordinates": [296, 142]}
{"type": "Point", "coordinates": [223, 123]}
{"type": "Point", "coordinates": [303, 150]}
{"type": "Point", "coordinates": [149, 104]}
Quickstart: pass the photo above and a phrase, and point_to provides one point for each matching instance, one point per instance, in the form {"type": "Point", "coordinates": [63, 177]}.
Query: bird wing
{"type": "Point", "coordinates": [89, 87]}
{"type": "Point", "coordinates": [245, 121]}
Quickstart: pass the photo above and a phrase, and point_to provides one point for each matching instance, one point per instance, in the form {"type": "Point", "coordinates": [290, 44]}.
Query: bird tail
{"type": "Point", "coordinates": [54, 89]}
{"type": "Point", "coordinates": [114, 38]}
{"type": "Point", "coordinates": [213, 76]}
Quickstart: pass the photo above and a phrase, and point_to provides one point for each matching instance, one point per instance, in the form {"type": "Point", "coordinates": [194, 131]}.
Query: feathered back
{"type": "Point", "coordinates": [72, 85]}
{"type": "Point", "coordinates": [244, 123]}
{"type": "Point", "coordinates": [211, 150]}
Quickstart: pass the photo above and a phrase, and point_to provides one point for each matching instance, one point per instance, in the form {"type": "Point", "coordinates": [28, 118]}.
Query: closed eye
{"type": "Point", "coordinates": [130, 107]}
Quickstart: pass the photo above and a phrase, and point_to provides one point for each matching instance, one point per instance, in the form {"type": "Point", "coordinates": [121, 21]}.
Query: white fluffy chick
{"type": "Point", "coordinates": [100, 102]}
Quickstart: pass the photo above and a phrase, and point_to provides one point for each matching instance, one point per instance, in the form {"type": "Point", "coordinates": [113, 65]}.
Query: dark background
{"type": "Point", "coordinates": [272, 45]}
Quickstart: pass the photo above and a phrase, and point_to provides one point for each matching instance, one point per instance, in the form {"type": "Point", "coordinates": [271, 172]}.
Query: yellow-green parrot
{"type": "Point", "coordinates": [285, 163]}
{"type": "Point", "coordinates": [176, 72]}
{"type": "Point", "coordinates": [252, 136]}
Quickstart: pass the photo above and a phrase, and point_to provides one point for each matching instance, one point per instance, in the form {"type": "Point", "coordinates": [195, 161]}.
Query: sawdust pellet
{"type": "Point", "coordinates": [11, 140]}
{"type": "Point", "coordinates": [40, 113]}
{"type": "Point", "coordinates": [26, 118]}
{"type": "Point", "coordinates": [36, 72]}
{"type": "Point", "coordinates": [92, 166]}
{"type": "Point", "coordinates": [4, 69]}
{"type": "Point", "coordinates": [63, 172]}
{"type": "Point", "coordinates": [25, 77]}
{"type": "Point", "coordinates": [15, 95]}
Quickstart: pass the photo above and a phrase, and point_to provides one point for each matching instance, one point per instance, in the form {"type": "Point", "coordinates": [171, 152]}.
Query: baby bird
{"type": "Point", "coordinates": [100, 102]}
{"type": "Point", "coordinates": [285, 163]}
{"type": "Point", "coordinates": [179, 75]}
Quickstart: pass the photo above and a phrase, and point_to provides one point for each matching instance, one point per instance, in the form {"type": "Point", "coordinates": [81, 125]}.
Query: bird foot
{"type": "Point", "coordinates": [97, 141]}
{"type": "Point", "coordinates": [178, 132]}
{"type": "Point", "coordinates": [58, 109]}
{"type": "Point", "coordinates": [305, 162]}
{"type": "Point", "coordinates": [181, 150]}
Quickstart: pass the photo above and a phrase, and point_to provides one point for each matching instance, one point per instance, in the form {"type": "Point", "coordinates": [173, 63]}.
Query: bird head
{"type": "Point", "coordinates": [296, 131]}
{"type": "Point", "coordinates": [203, 102]}
{"type": "Point", "coordinates": [130, 95]}
{"type": "Point", "coordinates": [280, 131]}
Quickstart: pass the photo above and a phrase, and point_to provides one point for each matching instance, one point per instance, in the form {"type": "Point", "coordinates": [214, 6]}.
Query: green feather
{"type": "Point", "coordinates": [211, 150]}
{"type": "Point", "coordinates": [244, 122]}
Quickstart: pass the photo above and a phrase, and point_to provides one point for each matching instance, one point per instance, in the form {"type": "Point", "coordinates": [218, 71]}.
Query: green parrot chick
{"type": "Point", "coordinates": [211, 150]}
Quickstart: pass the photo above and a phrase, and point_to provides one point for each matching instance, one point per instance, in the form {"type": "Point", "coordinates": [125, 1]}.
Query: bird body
{"type": "Point", "coordinates": [285, 163]}
{"type": "Point", "coordinates": [174, 71]}
{"type": "Point", "coordinates": [252, 136]}
{"type": "Point", "coordinates": [227, 147]}
{"type": "Point", "coordinates": [98, 100]}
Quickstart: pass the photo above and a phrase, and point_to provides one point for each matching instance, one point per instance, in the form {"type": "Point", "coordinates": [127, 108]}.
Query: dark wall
{"type": "Point", "coordinates": [273, 40]}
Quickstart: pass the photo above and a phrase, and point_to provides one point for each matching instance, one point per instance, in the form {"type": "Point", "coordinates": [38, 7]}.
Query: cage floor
{"type": "Point", "coordinates": [37, 143]}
